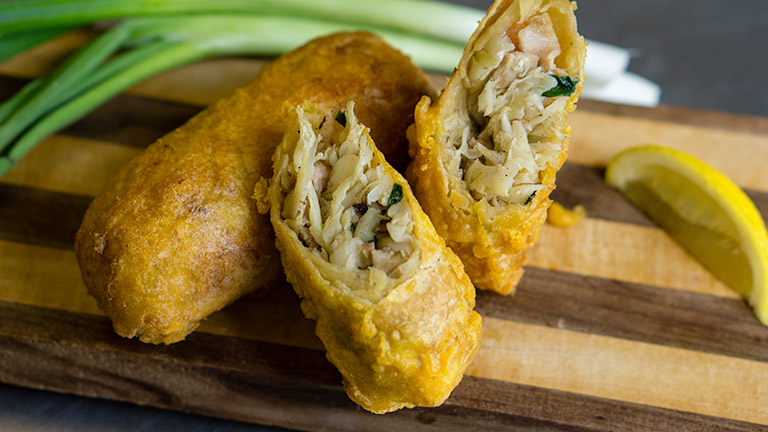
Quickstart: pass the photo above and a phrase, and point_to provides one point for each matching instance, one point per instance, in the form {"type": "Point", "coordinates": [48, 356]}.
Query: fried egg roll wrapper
{"type": "Point", "coordinates": [393, 305]}
{"type": "Point", "coordinates": [486, 153]}
{"type": "Point", "coordinates": [175, 235]}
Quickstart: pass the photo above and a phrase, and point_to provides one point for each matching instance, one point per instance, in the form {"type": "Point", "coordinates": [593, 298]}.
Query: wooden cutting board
{"type": "Point", "coordinates": [613, 327]}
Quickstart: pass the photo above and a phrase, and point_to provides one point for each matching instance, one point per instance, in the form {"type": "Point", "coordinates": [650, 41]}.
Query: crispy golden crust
{"type": "Point", "coordinates": [175, 235]}
{"type": "Point", "coordinates": [492, 248]}
{"type": "Point", "coordinates": [410, 345]}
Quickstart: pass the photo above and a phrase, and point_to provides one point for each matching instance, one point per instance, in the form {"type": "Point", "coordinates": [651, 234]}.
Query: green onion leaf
{"type": "Point", "coordinates": [565, 87]}
{"type": "Point", "coordinates": [341, 118]}
{"type": "Point", "coordinates": [396, 196]}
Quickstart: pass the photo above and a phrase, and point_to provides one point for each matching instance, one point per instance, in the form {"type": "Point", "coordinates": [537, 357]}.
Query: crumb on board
{"type": "Point", "coordinates": [562, 217]}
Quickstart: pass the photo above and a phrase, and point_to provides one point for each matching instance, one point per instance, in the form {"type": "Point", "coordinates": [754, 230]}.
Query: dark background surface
{"type": "Point", "coordinates": [704, 54]}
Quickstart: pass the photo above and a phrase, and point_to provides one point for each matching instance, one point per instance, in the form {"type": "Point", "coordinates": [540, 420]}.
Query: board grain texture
{"type": "Point", "coordinates": [613, 328]}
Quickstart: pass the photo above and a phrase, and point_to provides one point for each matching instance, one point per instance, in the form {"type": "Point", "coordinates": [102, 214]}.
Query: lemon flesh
{"type": "Point", "coordinates": [701, 209]}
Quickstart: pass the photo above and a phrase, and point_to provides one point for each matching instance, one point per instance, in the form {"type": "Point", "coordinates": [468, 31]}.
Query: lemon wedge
{"type": "Point", "coordinates": [704, 211]}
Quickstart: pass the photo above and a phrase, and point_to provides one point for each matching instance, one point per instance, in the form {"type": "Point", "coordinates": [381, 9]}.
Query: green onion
{"type": "Point", "coordinates": [341, 118]}
{"type": "Point", "coordinates": [396, 195]}
{"type": "Point", "coordinates": [271, 35]}
{"type": "Point", "coordinates": [71, 111]}
{"type": "Point", "coordinates": [21, 96]}
{"type": "Point", "coordinates": [91, 77]}
{"type": "Point", "coordinates": [430, 18]}
{"type": "Point", "coordinates": [565, 86]}
{"type": "Point", "coordinates": [54, 88]}
{"type": "Point", "coordinates": [18, 42]}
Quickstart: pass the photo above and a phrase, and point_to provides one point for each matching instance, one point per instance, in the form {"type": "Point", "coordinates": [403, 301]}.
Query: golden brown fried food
{"type": "Point", "coordinates": [393, 305]}
{"type": "Point", "coordinates": [175, 235]}
{"type": "Point", "coordinates": [486, 153]}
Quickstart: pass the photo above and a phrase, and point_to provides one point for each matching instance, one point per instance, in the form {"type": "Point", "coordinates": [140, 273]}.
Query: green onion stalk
{"type": "Point", "coordinates": [141, 47]}
{"type": "Point", "coordinates": [429, 18]}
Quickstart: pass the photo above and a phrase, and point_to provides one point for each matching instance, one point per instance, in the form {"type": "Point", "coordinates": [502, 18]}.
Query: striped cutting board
{"type": "Point", "coordinates": [613, 326]}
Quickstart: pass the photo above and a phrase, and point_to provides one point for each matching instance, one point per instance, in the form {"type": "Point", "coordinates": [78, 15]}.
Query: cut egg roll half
{"type": "Point", "coordinates": [392, 303]}
{"type": "Point", "coordinates": [486, 153]}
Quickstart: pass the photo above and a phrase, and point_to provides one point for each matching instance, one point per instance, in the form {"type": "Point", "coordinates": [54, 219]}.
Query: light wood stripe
{"type": "Point", "coordinates": [625, 252]}
{"type": "Point", "coordinates": [597, 137]}
{"type": "Point", "coordinates": [624, 370]}
{"type": "Point", "coordinates": [40, 276]}
{"type": "Point", "coordinates": [71, 165]}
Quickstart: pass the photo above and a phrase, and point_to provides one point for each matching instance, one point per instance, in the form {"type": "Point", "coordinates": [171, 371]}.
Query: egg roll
{"type": "Point", "coordinates": [487, 151]}
{"type": "Point", "coordinates": [176, 235]}
{"type": "Point", "coordinates": [392, 304]}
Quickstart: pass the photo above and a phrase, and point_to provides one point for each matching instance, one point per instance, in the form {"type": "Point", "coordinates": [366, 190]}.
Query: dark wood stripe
{"type": "Point", "coordinates": [40, 217]}
{"type": "Point", "coordinates": [631, 311]}
{"type": "Point", "coordinates": [125, 119]}
{"type": "Point", "coordinates": [582, 184]}
{"type": "Point", "coordinates": [132, 120]}
{"type": "Point", "coordinates": [290, 387]}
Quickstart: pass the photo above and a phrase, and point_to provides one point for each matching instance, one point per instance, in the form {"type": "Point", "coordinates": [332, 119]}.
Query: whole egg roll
{"type": "Point", "coordinates": [175, 235]}
{"type": "Point", "coordinates": [393, 305]}
{"type": "Point", "coordinates": [486, 153]}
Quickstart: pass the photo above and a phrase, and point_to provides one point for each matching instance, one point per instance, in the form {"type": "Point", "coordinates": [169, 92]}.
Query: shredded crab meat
{"type": "Point", "coordinates": [509, 131]}
{"type": "Point", "coordinates": [341, 205]}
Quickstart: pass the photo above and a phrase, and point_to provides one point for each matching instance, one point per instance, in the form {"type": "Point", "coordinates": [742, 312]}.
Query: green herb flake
{"type": "Point", "coordinates": [565, 87]}
{"type": "Point", "coordinates": [341, 118]}
{"type": "Point", "coordinates": [530, 198]}
{"type": "Point", "coordinates": [396, 196]}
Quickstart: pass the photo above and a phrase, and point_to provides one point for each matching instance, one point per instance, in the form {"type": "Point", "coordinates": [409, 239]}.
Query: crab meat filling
{"type": "Point", "coordinates": [342, 206]}
{"type": "Point", "coordinates": [509, 131]}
